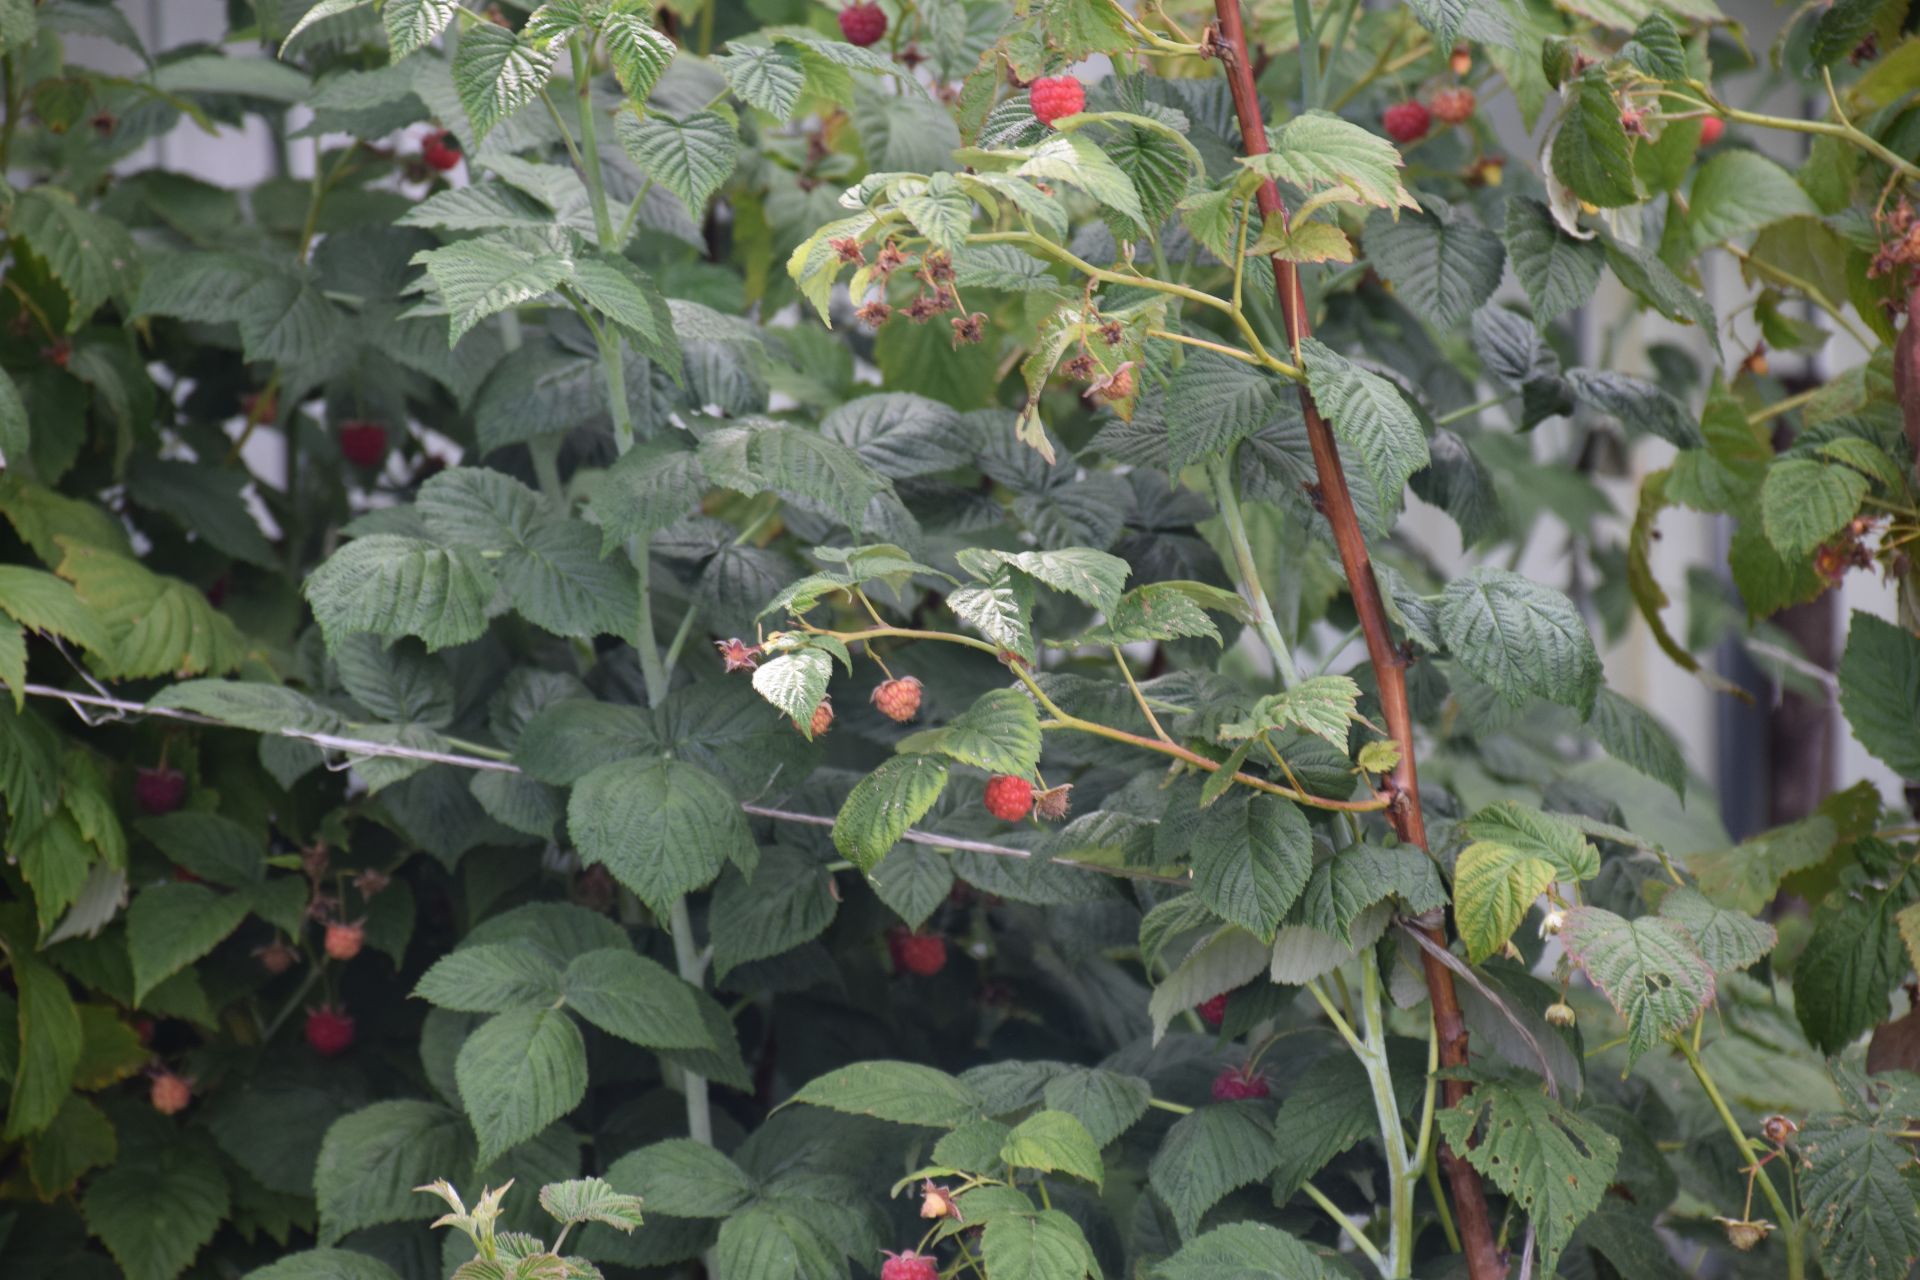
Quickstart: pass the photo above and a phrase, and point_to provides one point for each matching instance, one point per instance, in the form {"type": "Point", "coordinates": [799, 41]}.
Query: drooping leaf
{"type": "Point", "coordinates": [1557, 271]}
{"type": "Point", "coordinates": [1494, 886]}
{"type": "Point", "coordinates": [662, 827]}
{"type": "Point", "coordinates": [1207, 1154]}
{"type": "Point", "coordinates": [1647, 968]}
{"type": "Point", "coordinates": [519, 1072]}
{"type": "Point", "coordinates": [1251, 858]}
{"type": "Point", "coordinates": [1591, 153]}
{"type": "Point", "coordinates": [903, 1092]}
{"type": "Point", "coordinates": [1371, 420]}
{"type": "Point", "coordinates": [884, 804]}
{"type": "Point", "coordinates": [691, 156]}
{"type": "Point", "coordinates": [1440, 262]}
{"type": "Point", "coordinates": [372, 1159]}
{"type": "Point", "coordinates": [1880, 691]}
{"type": "Point", "coordinates": [1862, 1194]}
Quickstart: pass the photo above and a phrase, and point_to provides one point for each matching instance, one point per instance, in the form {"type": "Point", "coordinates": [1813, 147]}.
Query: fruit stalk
{"type": "Point", "coordinates": [1389, 664]}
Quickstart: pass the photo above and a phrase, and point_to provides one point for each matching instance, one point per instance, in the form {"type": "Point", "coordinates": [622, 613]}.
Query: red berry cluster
{"type": "Point", "coordinates": [329, 1031]}
{"type": "Point", "coordinates": [441, 150]}
{"type": "Point", "coordinates": [909, 1266]}
{"type": "Point", "coordinates": [1055, 96]}
{"type": "Point", "coordinates": [363, 444]}
{"type": "Point", "coordinates": [1236, 1084]}
{"type": "Point", "coordinates": [160, 790]}
{"type": "Point", "coordinates": [1009, 798]}
{"type": "Point", "coordinates": [863, 24]}
{"type": "Point", "coordinates": [921, 954]}
{"type": "Point", "coordinates": [1213, 1012]}
{"type": "Point", "coordinates": [1406, 121]}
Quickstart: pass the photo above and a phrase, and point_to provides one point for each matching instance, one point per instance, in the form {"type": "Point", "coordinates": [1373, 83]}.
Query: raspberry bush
{"type": "Point", "coordinates": [817, 641]}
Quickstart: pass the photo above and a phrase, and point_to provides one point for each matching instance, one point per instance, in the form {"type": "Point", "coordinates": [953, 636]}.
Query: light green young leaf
{"type": "Point", "coordinates": [1494, 886]}
{"type": "Point", "coordinates": [795, 683]}
{"type": "Point", "coordinates": [1322, 705]}
{"type": "Point", "coordinates": [1739, 192]}
{"type": "Point", "coordinates": [941, 211]}
{"type": "Point", "coordinates": [1727, 940]}
{"type": "Point", "coordinates": [591, 1200]}
{"type": "Point", "coordinates": [1054, 1142]}
{"type": "Point", "coordinates": [1534, 834]}
{"type": "Point", "coordinates": [1319, 152]}
{"type": "Point", "coordinates": [638, 50]}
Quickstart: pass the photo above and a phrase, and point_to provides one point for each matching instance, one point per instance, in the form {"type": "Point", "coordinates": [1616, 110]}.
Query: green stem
{"type": "Point", "coordinates": [1333, 52]}
{"type": "Point", "coordinates": [1309, 52]}
{"type": "Point", "coordinates": [546, 466]}
{"type": "Point", "coordinates": [1789, 1225]}
{"type": "Point", "coordinates": [293, 1001]}
{"type": "Point", "coordinates": [1348, 1225]}
{"type": "Point", "coordinates": [1176, 1108]}
{"type": "Point", "coordinates": [1453, 416]}
{"type": "Point", "coordinates": [693, 969]}
{"type": "Point", "coordinates": [1249, 572]}
{"type": "Point", "coordinates": [1401, 1176]}
{"type": "Point", "coordinates": [1792, 125]}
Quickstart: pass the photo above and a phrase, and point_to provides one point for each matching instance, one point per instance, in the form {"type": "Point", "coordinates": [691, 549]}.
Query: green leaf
{"type": "Point", "coordinates": [1554, 1163]}
{"type": "Point", "coordinates": [789, 901]}
{"type": "Point", "coordinates": [481, 277]}
{"type": "Point", "coordinates": [1727, 940]}
{"type": "Point", "coordinates": [208, 502]}
{"type": "Point", "coordinates": [518, 1073]}
{"type": "Point", "coordinates": [643, 493]}
{"type": "Point", "coordinates": [1862, 1194]}
{"type": "Point", "coordinates": [1214, 401]}
{"type": "Point", "coordinates": [1647, 968]}
{"type": "Point", "coordinates": [999, 733]}
{"type": "Point", "coordinates": [1656, 48]}
{"type": "Point", "coordinates": [91, 256]}
{"type": "Point", "coordinates": [900, 434]}
{"type": "Point", "coordinates": [1853, 960]}
{"type": "Point", "coordinates": [212, 847]}
{"type": "Point", "coordinates": [1371, 419]}
{"type": "Point", "coordinates": [569, 739]}
{"type": "Point", "coordinates": [884, 804]}
{"type": "Point", "coordinates": [496, 73]}
{"type": "Point", "coordinates": [1739, 192]}
{"type": "Point", "coordinates": [1317, 152]}
{"type": "Point", "coordinates": [638, 50]}
{"type": "Point", "coordinates": [662, 827]}
{"type": "Point", "coordinates": [1208, 1154]}
{"type": "Point", "coordinates": [903, 1092]}
{"type": "Point", "coordinates": [1521, 638]}
{"type": "Point", "coordinates": [795, 462]}
{"type": "Point", "coordinates": [777, 1243]}
{"type": "Point", "coordinates": [1746, 876]}
{"type": "Point", "coordinates": [156, 626]}
{"type": "Point", "coordinates": [624, 294]}
{"type": "Point", "coordinates": [491, 978]}
{"type": "Point", "coordinates": [691, 156]}
{"type": "Point", "coordinates": [1000, 610]}
{"type": "Point", "coordinates": [50, 1041]}
{"type": "Point", "coordinates": [1042, 1246]}
{"type": "Point", "coordinates": [913, 881]}
{"type": "Point", "coordinates": [590, 1200]}
{"type": "Point", "coordinates": [1251, 858]}
{"type": "Point", "coordinates": [1880, 691]}
{"type": "Point", "coordinates": [632, 997]}
{"type": "Point", "coordinates": [15, 435]}
{"type": "Point", "coordinates": [38, 600]}
{"type": "Point", "coordinates": [1557, 271]}
{"type": "Point", "coordinates": [398, 586]}
{"type": "Point", "coordinates": [169, 926]}
{"type": "Point", "coordinates": [1223, 961]}
{"type": "Point", "coordinates": [1591, 154]}
{"type": "Point", "coordinates": [1322, 705]}
{"type": "Point", "coordinates": [1078, 160]}
{"type": "Point", "coordinates": [1638, 404]}
{"type": "Point", "coordinates": [1632, 736]}
{"type": "Point", "coordinates": [795, 683]}
{"type": "Point", "coordinates": [1054, 1142]}
{"type": "Point", "coordinates": [1840, 27]}
{"type": "Point", "coordinates": [325, 1264]}
{"type": "Point", "coordinates": [1165, 611]}
{"type": "Point", "coordinates": [372, 1159]}
{"type": "Point", "coordinates": [414, 24]}
{"type": "Point", "coordinates": [941, 211]}
{"type": "Point", "coordinates": [1094, 577]}
{"type": "Point", "coordinates": [156, 1212]}
{"type": "Point", "coordinates": [683, 1179]}
{"type": "Point", "coordinates": [768, 77]}
{"type": "Point", "coordinates": [264, 708]}
{"type": "Point", "coordinates": [1803, 503]}
{"type": "Point", "coordinates": [1245, 1251]}
{"type": "Point", "coordinates": [1534, 834]}
{"type": "Point", "coordinates": [1494, 887]}
{"type": "Point", "coordinates": [1441, 263]}
{"type": "Point", "coordinates": [1360, 875]}
{"type": "Point", "coordinates": [1106, 1103]}
{"type": "Point", "coordinates": [79, 1140]}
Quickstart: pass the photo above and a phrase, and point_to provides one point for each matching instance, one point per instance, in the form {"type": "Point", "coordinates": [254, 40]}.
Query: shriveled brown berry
{"type": "Point", "coordinates": [1113, 331]}
{"type": "Point", "coordinates": [968, 328]}
{"type": "Point", "coordinates": [889, 260]}
{"type": "Point", "coordinates": [1051, 805]}
{"type": "Point", "coordinates": [874, 314]}
{"type": "Point", "coordinates": [276, 957]}
{"type": "Point", "coordinates": [1778, 1129]}
{"type": "Point", "coordinates": [847, 249]}
{"type": "Point", "coordinates": [898, 699]}
{"type": "Point", "coordinates": [1080, 368]}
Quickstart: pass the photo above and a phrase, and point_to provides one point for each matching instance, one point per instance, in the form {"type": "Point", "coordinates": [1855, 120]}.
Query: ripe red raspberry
{"type": "Point", "coordinates": [1009, 798]}
{"type": "Point", "coordinates": [170, 1094]}
{"type": "Point", "coordinates": [1213, 1012]}
{"type": "Point", "coordinates": [909, 1266]}
{"type": "Point", "coordinates": [1454, 106]}
{"type": "Point", "coordinates": [1406, 121]}
{"type": "Point", "coordinates": [1056, 96]}
{"type": "Point", "coordinates": [1711, 129]}
{"type": "Point", "coordinates": [863, 24]}
{"type": "Point", "coordinates": [924, 954]}
{"type": "Point", "coordinates": [345, 940]}
{"type": "Point", "coordinates": [329, 1031]}
{"type": "Point", "coordinates": [1233, 1084]}
{"type": "Point", "coordinates": [441, 150]}
{"type": "Point", "coordinates": [159, 790]}
{"type": "Point", "coordinates": [363, 443]}
{"type": "Point", "coordinates": [898, 700]}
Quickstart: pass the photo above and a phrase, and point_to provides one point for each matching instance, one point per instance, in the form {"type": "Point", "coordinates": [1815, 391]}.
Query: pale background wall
{"type": "Point", "coordinates": [1635, 666]}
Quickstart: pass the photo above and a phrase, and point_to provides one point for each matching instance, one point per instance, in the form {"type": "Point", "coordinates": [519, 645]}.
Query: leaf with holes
{"type": "Point", "coordinates": [1647, 968]}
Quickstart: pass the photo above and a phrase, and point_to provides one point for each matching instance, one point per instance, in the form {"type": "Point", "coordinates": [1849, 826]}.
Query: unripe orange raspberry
{"type": "Point", "coordinates": [170, 1094]}
{"type": "Point", "coordinates": [899, 699]}
{"type": "Point", "coordinates": [345, 940]}
{"type": "Point", "coordinates": [1453, 106]}
{"type": "Point", "coordinates": [822, 717]}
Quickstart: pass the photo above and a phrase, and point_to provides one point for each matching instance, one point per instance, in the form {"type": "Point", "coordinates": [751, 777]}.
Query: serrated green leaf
{"type": "Point", "coordinates": [691, 156]}
{"type": "Point", "coordinates": [1494, 887]}
{"type": "Point", "coordinates": [1371, 419]}
{"type": "Point", "coordinates": [1803, 503]}
{"type": "Point", "coordinates": [50, 1041]}
{"type": "Point", "coordinates": [157, 626]}
{"type": "Point", "coordinates": [414, 24]}
{"type": "Point", "coordinates": [632, 997]}
{"type": "Point", "coordinates": [1555, 1163]}
{"type": "Point", "coordinates": [91, 256]}
{"type": "Point", "coordinates": [1647, 968]}
{"type": "Point", "coordinates": [683, 1179]}
{"type": "Point", "coordinates": [1638, 404]}
{"type": "Point", "coordinates": [795, 683]}
{"type": "Point", "coordinates": [1251, 858]}
{"type": "Point", "coordinates": [491, 978]}
{"type": "Point", "coordinates": [1738, 192]}
{"type": "Point", "coordinates": [1047, 1245]}
{"type": "Point", "coordinates": [1727, 940]}
{"type": "Point", "coordinates": [903, 1092]}
{"type": "Point", "coordinates": [1534, 834]}
{"type": "Point", "coordinates": [1071, 158]}
{"type": "Point", "coordinates": [169, 926]}
{"type": "Point", "coordinates": [372, 1159]}
{"type": "Point", "coordinates": [1322, 705]}
{"type": "Point", "coordinates": [1225, 959]}
{"type": "Point", "coordinates": [638, 50]}
{"type": "Point", "coordinates": [1557, 271]}
{"type": "Point", "coordinates": [1054, 1142]}
{"type": "Point", "coordinates": [496, 73]}
{"type": "Point", "coordinates": [1106, 1103]}
{"type": "Point", "coordinates": [1880, 691]}
{"type": "Point", "coordinates": [1000, 610]}
{"type": "Point", "coordinates": [1591, 154]}
{"type": "Point", "coordinates": [1246, 1251]}
{"type": "Point", "coordinates": [398, 586]}
{"type": "Point", "coordinates": [1318, 152]}
{"type": "Point", "coordinates": [795, 462]}
{"type": "Point", "coordinates": [884, 804]}
{"type": "Point", "coordinates": [1862, 1194]}
{"type": "Point", "coordinates": [1208, 1154]}
{"type": "Point", "coordinates": [156, 1212]}
{"type": "Point", "coordinates": [481, 277]}
{"type": "Point", "coordinates": [1440, 262]}
{"type": "Point", "coordinates": [768, 77]}
{"type": "Point", "coordinates": [1214, 401]}
{"type": "Point", "coordinates": [519, 1072]}
{"type": "Point", "coordinates": [1521, 638]}
{"type": "Point", "coordinates": [662, 827]}
{"type": "Point", "coordinates": [999, 733]}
